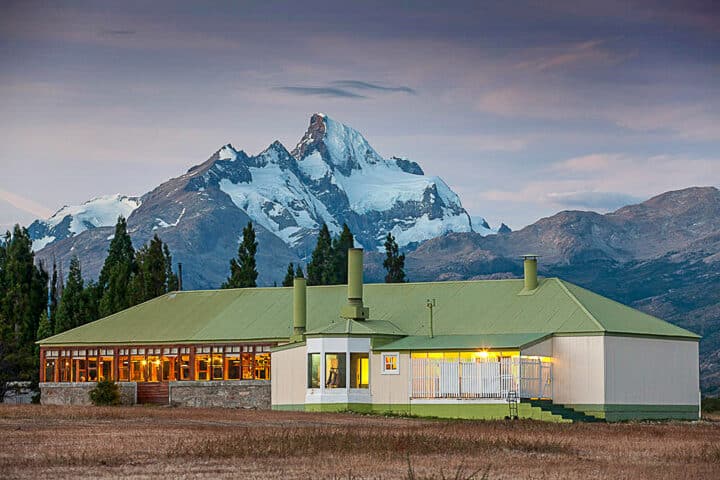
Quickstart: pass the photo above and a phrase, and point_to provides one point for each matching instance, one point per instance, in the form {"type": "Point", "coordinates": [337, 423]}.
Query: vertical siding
{"type": "Point", "coordinates": [651, 371]}
{"type": "Point", "coordinates": [288, 376]}
{"type": "Point", "coordinates": [578, 370]}
{"type": "Point", "coordinates": [541, 349]}
{"type": "Point", "coordinates": [390, 389]}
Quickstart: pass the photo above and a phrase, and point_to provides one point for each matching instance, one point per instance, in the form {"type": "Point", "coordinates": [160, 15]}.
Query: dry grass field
{"type": "Point", "coordinates": [163, 442]}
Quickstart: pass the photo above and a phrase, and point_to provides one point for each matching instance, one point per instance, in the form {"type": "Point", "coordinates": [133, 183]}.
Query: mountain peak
{"type": "Point", "coordinates": [339, 146]}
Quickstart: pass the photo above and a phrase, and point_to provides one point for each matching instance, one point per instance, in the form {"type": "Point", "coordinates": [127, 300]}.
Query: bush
{"type": "Point", "coordinates": [106, 392]}
{"type": "Point", "coordinates": [710, 404]}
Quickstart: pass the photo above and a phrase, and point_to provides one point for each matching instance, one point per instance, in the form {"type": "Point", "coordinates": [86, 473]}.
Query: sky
{"type": "Point", "coordinates": [524, 108]}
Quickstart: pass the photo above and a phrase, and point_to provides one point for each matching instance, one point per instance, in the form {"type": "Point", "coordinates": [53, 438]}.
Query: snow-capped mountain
{"type": "Point", "coordinates": [332, 176]}
{"type": "Point", "coordinates": [73, 220]}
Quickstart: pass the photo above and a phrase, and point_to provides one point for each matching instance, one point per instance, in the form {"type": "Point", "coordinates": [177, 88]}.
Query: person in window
{"type": "Point", "coordinates": [332, 379]}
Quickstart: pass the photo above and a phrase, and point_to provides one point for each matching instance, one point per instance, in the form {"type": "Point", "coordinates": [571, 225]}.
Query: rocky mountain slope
{"type": "Point", "coordinates": [661, 256]}
{"type": "Point", "coordinates": [332, 176]}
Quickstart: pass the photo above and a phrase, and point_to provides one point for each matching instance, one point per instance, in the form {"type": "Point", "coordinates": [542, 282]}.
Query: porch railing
{"type": "Point", "coordinates": [486, 378]}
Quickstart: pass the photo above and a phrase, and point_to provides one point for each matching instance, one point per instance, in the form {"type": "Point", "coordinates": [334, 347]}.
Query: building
{"type": "Point", "coordinates": [447, 349]}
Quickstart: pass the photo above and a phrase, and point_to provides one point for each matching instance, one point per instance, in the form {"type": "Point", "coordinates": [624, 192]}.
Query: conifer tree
{"type": "Point", "coordinates": [243, 269]}
{"type": "Point", "coordinates": [115, 277]}
{"type": "Point", "coordinates": [289, 276]}
{"type": "Point", "coordinates": [73, 308]}
{"type": "Point", "coordinates": [322, 259]}
{"type": "Point", "coordinates": [153, 276]}
{"type": "Point", "coordinates": [44, 328]}
{"type": "Point", "coordinates": [171, 278]}
{"type": "Point", "coordinates": [394, 262]}
{"type": "Point", "coordinates": [341, 245]}
{"type": "Point", "coordinates": [299, 272]}
{"type": "Point", "coordinates": [54, 297]}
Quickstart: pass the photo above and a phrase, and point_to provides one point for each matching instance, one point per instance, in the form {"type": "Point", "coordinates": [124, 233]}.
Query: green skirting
{"type": "Point", "coordinates": [620, 412]}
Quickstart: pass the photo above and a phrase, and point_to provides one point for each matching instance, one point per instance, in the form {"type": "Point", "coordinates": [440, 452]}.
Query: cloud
{"type": "Point", "coordinates": [360, 85]}
{"type": "Point", "coordinates": [332, 92]}
{"type": "Point", "coordinates": [603, 201]}
{"type": "Point", "coordinates": [117, 32]}
{"type": "Point", "coordinates": [25, 204]}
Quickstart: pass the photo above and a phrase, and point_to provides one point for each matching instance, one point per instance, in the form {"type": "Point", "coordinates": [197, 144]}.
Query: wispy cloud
{"type": "Point", "coordinates": [603, 201]}
{"type": "Point", "coordinates": [25, 204]}
{"type": "Point", "coordinates": [361, 85]}
{"type": "Point", "coordinates": [320, 92]}
{"type": "Point", "coordinates": [117, 32]}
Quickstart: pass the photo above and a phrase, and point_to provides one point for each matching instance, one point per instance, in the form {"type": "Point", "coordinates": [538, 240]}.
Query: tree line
{"type": "Point", "coordinates": [327, 266]}
{"type": "Point", "coordinates": [35, 305]}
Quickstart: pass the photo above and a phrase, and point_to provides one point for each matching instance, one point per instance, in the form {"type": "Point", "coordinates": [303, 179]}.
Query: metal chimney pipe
{"type": "Point", "coordinates": [354, 308]}
{"type": "Point", "coordinates": [530, 271]}
{"type": "Point", "coordinates": [299, 306]}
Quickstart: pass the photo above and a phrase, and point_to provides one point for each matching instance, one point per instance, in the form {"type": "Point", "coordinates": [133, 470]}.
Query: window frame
{"type": "Point", "coordinates": [383, 365]}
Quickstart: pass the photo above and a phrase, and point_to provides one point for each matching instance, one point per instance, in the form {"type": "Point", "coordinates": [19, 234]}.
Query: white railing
{"type": "Point", "coordinates": [485, 378]}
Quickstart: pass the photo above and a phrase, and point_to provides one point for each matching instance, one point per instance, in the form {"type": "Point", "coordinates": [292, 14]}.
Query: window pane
{"type": "Point", "coordinates": [247, 366]}
{"type": "Point", "coordinates": [49, 370]}
{"type": "Point", "coordinates": [184, 362]}
{"type": "Point", "coordinates": [217, 367]}
{"type": "Point", "coordinates": [106, 368]}
{"type": "Point", "coordinates": [359, 370]}
{"type": "Point", "coordinates": [234, 367]}
{"type": "Point", "coordinates": [335, 370]}
{"type": "Point", "coordinates": [262, 366]}
{"type": "Point", "coordinates": [138, 369]}
{"type": "Point", "coordinates": [202, 367]}
{"type": "Point", "coordinates": [124, 369]}
{"type": "Point", "coordinates": [314, 370]}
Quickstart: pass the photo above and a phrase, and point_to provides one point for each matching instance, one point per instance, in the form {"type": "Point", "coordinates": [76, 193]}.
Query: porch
{"type": "Point", "coordinates": [481, 378]}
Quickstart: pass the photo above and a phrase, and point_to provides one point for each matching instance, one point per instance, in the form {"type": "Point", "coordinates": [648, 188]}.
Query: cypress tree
{"type": "Point", "coordinates": [54, 298]}
{"type": "Point", "coordinates": [171, 278]}
{"type": "Point", "coordinates": [394, 262]}
{"type": "Point", "coordinates": [322, 259]}
{"type": "Point", "coordinates": [115, 277]}
{"type": "Point", "coordinates": [73, 308]}
{"type": "Point", "coordinates": [44, 328]}
{"type": "Point", "coordinates": [243, 270]}
{"type": "Point", "coordinates": [341, 245]}
{"type": "Point", "coordinates": [289, 276]}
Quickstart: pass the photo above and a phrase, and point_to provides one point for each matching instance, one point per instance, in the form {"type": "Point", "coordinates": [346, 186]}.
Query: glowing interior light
{"type": "Point", "coordinates": [483, 354]}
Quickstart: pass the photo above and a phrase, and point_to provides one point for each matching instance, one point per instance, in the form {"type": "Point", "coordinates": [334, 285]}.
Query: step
{"type": "Point", "coordinates": [154, 393]}
{"type": "Point", "coordinates": [562, 411]}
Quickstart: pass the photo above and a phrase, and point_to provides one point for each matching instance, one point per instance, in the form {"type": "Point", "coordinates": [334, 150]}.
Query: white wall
{"type": "Point", "coordinates": [578, 370]}
{"type": "Point", "coordinates": [390, 388]}
{"type": "Point", "coordinates": [540, 349]}
{"type": "Point", "coordinates": [288, 376]}
{"type": "Point", "coordinates": [651, 371]}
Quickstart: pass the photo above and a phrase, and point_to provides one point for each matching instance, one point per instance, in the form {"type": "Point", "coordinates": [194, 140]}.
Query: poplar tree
{"type": "Point", "coordinates": [322, 259]}
{"type": "Point", "coordinates": [394, 262]}
{"type": "Point", "coordinates": [243, 269]}
{"type": "Point", "coordinates": [73, 309]}
{"type": "Point", "coordinates": [115, 277]}
{"type": "Point", "coordinates": [341, 245]}
{"type": "Point", "coordinates": [289, 276]}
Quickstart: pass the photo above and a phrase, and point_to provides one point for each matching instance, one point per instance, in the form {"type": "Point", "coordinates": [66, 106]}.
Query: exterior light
{"type": "Point", "coordinates": [483, 354]}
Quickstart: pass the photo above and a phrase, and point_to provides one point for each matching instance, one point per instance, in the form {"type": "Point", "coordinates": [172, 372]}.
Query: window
{"type": "Point", "coordinates": [50, 370]}
{"type": "Point", "coordinates": [217, 366]}
{"type": "Point", "coordinates": [124, 364]}
{"type": "Point", "coordinates": [106, 368]}
{"type": "Point", "coordinates": [390, 363]}
{"type": "Point", "coordinates": [184, 367]}
{"type": "Point", "coordinates": [233, 366]}
{"type": "Point", "coordinates": [202, 367]}
{"type": "Point", "coordinates": [262, 366]}
{"type": "Point", "coordinates": [335, 370]}
{"type": "Point", "coordinates": [248, 362]}
{"type": "Point", "coordinates": [313, 370]}
{"type": "Point", "coordinates": [359, 370]}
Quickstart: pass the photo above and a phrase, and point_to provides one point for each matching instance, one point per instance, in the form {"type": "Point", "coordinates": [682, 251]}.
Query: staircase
{"type": "Point", "coordinates": [156, 393]}
{"type": "Point", "coordinates": [562, 411]}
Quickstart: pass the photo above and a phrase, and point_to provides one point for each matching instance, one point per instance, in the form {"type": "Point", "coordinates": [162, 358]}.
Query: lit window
{"type": "Point", "coordinates": [359, 370]}
{"type": "Point", "coordinates": [334, 370]}
{"type": "Point", "coordinates": [390, 363]}
{"type": "Point", "coordinates": [313, 370]}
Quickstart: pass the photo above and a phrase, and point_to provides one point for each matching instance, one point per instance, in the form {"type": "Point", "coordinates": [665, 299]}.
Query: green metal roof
{"type": "Point", "coordinates": [345, 326]}
{"type": "Point", "coordinates": [463, 342]}
{"type": "Point", "coordinates": [484, 307]}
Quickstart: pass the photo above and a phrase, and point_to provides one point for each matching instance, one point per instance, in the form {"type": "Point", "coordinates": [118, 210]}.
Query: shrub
{"type": "Point", "coordinates": [710, 404]}
{"type": "Point", "coordinates": [106, 392]}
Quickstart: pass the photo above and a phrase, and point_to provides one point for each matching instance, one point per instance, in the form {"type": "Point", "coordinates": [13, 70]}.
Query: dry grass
{"type": "Point", "coordinates": [110, 442]}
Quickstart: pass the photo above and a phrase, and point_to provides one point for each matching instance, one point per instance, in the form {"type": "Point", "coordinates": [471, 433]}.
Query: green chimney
{"type": "Point", "coordinates": [299, 306]}
{"type": "Point", "coordinates": [354, 309]}
{"type": "Point", "coordinates": [530, 270]}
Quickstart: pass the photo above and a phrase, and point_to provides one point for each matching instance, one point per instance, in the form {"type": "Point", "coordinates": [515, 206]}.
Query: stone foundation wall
{"type": "Point", "coordinates": [78, 393]}
{"type": "Point", "coordinates": [228, 394]}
